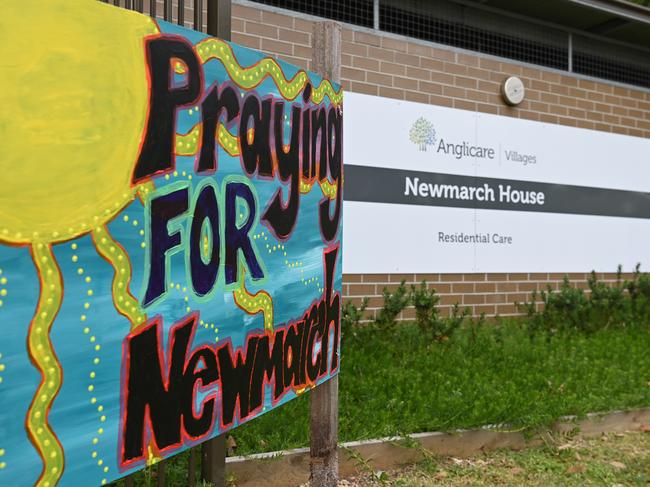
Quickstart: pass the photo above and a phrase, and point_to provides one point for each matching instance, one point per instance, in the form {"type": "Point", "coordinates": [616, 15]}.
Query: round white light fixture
{"type": "Point", "coordinates": [513, 91]}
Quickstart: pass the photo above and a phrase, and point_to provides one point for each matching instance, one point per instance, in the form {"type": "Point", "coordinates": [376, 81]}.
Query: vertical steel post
{"type": "Point", "coordinates": [191, 468]}
{"type": "Point", "coordinates": [213, 452]}
{"type": "Point", "coordinates": [375, 14]}
{"type": "Point", "coordinates": [162, 480]}
{"type": "Point", "coordinates": [570, 49]}
{"type": "Point", "coordinates": [167, 10]}
{"type": "Point", "coordinates": [213, 461]}
{"type": "Point", "coordinates": [324, 405]}
{"type": "Point", "coordinates": [198, 15]}
{"type": "Point", "coordinates": [219, 15]}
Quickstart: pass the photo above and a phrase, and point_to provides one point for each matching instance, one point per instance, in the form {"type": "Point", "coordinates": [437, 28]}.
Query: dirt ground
{"type": "Point", "coordinates": [613, 460]}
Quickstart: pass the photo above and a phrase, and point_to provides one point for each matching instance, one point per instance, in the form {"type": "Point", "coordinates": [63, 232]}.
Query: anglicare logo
{"type": "Point", "coordinates": [423, 135]}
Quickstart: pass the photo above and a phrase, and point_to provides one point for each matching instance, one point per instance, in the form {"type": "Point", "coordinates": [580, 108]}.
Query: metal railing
{"type": "Point", "coordinates": [479, 28]}
{"type": "Point", "coordinates": [214, 18]}
{"type": "Point", "coordinates": [190, 13]}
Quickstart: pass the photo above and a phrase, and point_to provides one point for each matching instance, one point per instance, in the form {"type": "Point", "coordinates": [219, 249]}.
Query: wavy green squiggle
{"type": "Point", "coordinates": [252, 76]}
{"type": "Point", "coordinates": [42, 355]}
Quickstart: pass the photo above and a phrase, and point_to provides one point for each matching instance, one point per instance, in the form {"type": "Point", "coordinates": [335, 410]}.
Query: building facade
{"type": "Point", "coordinates": [583, 64]}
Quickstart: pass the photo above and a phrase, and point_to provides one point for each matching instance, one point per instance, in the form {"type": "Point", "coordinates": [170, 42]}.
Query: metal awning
{"type": "Point", "coordinates": [614, 19]}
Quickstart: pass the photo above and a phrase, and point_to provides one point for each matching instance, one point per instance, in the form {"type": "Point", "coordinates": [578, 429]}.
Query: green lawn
{"type": "Point", "coordinates": [399, 381]}
{"type": "Point", "coordinates": [392, 383]}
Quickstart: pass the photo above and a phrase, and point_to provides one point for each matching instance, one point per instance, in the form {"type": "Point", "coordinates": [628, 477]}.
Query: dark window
{"type": "Point", "coordinates": [357, 12]}
{"type": "Point", "coordinates": [452, 24]}
{"type": "Point", "coordinates": [419, 26]}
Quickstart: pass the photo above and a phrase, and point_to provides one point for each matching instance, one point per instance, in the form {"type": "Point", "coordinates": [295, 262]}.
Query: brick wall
{"type": "Point", "coordinates": [395, 67]}
{"type": "Point", "coordinates": [492, 294]}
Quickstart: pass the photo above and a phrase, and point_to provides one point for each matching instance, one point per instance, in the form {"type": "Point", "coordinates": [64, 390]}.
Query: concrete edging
{"type": "Point", "coordinates": [291, 467]}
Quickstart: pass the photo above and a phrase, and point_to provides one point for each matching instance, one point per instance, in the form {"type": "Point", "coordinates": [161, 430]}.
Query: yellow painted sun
{"type": "Point", "coordinates": [74, 94]}
{"type": "Point", "coordinates": [74, 97]}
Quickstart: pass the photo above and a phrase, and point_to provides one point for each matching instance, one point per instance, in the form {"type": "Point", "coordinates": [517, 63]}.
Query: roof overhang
{"type": "Point", "coordinates": [613, 19]}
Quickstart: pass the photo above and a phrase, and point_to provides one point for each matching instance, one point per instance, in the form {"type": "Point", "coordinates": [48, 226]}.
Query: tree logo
{"type": "Point", "coordinates": [422, 133]}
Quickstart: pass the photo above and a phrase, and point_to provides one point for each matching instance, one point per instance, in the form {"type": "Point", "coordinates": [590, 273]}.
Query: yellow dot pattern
{"type": "Point", "coordinates": [210, 326]}
{"type": "Point", "coordinates": [124, 301]}
{"type": "Point", "coordinates": [70, 232]}
{"type": "Point", "coordinates": [144, 189]}
{"type": "Point", "coordinates": [297, 264]}
{"type": "Point", "coordinates": [260, 302]}
{"type": "Point", "coordinates": [329, 189]}
{"type": "Point", "coordinates": [44, 359]}
{"type": "Point", "coordinates": [92, 339]}
{"type": "Point", "coordinates": [252, 76]}
{"type": "Point", "coordinates": [3, 288]}
{"type": "Point", "coordinates": [305, 187]}
{"type": "Point", "coordinates": [228, 141]}
{"type": "Point", "coordinates": [188, 144]}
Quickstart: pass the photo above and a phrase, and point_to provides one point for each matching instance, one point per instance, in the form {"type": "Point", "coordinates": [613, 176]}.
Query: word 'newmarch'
{"type": "Point", "coordinates": [485, 192]}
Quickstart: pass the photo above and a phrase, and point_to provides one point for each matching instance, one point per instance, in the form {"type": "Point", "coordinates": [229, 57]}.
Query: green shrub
{"type": "Point", "coordinates": [638, 290]}
{"type": "Point", "coordinates": [425, 302]}
{"type": "Point", "coordinates": [394, 304]}
{"type": "Point", "coordinates": [351, 315]}
{"type": "Point", "coordinates": [427, 314]}
{"type": "Point", "coordinates": [605, 305]}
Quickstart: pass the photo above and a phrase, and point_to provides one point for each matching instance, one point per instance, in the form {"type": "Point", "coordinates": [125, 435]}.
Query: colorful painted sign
{"type": "Point", "coordinates": [170, 231]}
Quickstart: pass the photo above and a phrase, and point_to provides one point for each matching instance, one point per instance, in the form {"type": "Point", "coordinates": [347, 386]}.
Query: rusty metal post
{"type": "Point", "coordinates": [324, 406]}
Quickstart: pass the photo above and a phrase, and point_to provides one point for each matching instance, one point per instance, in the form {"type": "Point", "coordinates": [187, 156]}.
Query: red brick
{"type": "Point", "coordinates": [277, 19]}
{"type": "Point", "coordinates": [394, 44]}
{"type": "Point", "coordinates": [474, 299]}
{"type": "Point", "coordinates": [366, 88]}
{"type": "Point", "coordinates": [362, 290]}
{"type": "Point", "coordinates": [465, 287]}
{"type": "Point", "coordinates": [368, 39]}
{"type": "Point", "coordinates": [276, 47]}
{"type": "Point", "coordinates": [354, 49]}
{"type": "Point", "coordinates": [365, 63]}
{"type": "Point", "coordinates": [395, 93]}
{"type": "Point", "coordinates": [262, 30]}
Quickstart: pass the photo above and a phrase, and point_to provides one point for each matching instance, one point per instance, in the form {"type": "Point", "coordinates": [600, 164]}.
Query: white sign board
{"type": "Point", "coordinates": [434, 189]}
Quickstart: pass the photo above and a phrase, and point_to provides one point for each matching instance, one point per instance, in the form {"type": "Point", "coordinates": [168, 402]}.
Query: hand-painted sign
{"type": "Point", "coordinates": [170, 231]}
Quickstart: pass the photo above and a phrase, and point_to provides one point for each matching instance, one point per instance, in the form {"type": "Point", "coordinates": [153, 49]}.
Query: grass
{"type": "Point", "coordinates": [402, 383]}
{"type": "Point", "coordinates": [614, 460]}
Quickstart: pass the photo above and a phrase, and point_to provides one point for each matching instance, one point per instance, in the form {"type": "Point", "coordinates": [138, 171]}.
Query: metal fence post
{"type": "Point", "coordinates": [219, 18]}
{"type": "Point", "coordinates": [213, 452]}
{"type": "Point", "coordinates": [324, 405]}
